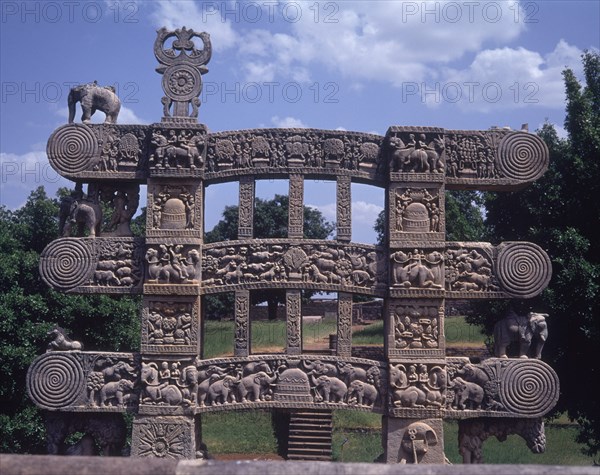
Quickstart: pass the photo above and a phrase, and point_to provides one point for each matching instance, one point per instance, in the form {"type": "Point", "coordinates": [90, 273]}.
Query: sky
{"type": "Point", "coordinates": [360, 66]}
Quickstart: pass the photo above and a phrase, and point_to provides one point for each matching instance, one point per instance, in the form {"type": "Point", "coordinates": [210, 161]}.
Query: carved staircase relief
{"type": "Point", "coordinates": [168, 385]}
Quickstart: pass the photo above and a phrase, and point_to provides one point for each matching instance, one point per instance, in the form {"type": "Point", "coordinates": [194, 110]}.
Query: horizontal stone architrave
{"type": "Point", "coordinates": [94, 265]}
{"type": "Point", "coordinates": [495, 159]}
{"type": "Point", "coordinates": [116, 265]}
{"type": "Point", "coordinates": [73, 381]}
{"type": "Point", "coordinates": [293, 264]}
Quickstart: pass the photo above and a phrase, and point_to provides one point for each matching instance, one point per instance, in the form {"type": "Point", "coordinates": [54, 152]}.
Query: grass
{"type": "Point", "coordinates": [357, 435]}
{"type": "Point", "coordinates": [369, 335]}
{"type": "Point", "coordinates": [265, 336]}
{"type": "Point", "coordinates": [460, 333]}
{"type": "Point", "coordinates": [269, 336]}
{"type": "Point", "coordinates": [238, 432]}
{"type": "Point", "coordinates": [357, 438]}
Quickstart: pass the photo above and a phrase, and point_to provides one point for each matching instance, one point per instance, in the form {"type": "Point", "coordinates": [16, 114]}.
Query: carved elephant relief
{"type": "Point", "coordinates": [223, 391]}
{"type": "Point", "coordinates": [468, 395]}
{"type": "Point", "coordinates": [362, 393]}
{"type": "Point", "coordinates": [329, 389]}
{"type": "Point", "coordinates": [255, 387]}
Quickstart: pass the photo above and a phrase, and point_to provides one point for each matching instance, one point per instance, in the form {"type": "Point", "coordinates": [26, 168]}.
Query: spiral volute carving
{"type": "Point", "coordinates": [55, 380]}
{"type": "Point", "coordinates": [529, 388]}
{"type": "Point", "coordinates": [523, 269]}
{"type": "Point", "coordinates": [522, 156]}
{"type": "Point", "coordinates": [72, 149]}
{"type": "Point", "coordinates": [68, 262]}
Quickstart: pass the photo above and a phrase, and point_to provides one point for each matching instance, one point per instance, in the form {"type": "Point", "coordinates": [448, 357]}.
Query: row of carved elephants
{"type": "Point", "coordinates": [469, 270]}
{"type": "Point", "coordinates": [495, 158]}
{"type": "Point", "coordinates": [91, 382]}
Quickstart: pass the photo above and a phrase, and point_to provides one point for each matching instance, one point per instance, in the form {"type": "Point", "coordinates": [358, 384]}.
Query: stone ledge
{"type": "Point", "coordinates": [59, 465]}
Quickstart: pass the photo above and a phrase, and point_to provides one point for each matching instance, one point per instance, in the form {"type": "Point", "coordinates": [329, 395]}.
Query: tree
{"type": "Point", "coordinates": [270, 221]}
{"type": "Point", "coordinates": [29, 308]}
{"type": "Point", "coordinates": [559, 212]}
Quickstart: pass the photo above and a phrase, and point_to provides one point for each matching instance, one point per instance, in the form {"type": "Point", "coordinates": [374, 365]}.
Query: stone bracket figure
{"type": "Point", "coordinates": [472, 433]}
{"type": "Point", "coordinates": [529, 331]}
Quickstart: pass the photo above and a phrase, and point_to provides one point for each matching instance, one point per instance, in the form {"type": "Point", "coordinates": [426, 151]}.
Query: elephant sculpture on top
{"type": "Point", "coordinates": [529, 331]}
{"type": "Point", "coordinates": [92, 98]}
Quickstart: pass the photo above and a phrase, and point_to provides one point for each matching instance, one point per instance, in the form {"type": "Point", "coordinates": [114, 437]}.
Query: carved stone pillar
{"type": "Point", "coordinates": [344, 208]}
{"type": "Point", "coordinates": [172, 437]}
{"type": "Point", "coordinates": [413, 441]}
{"type": "Point", "coordinates": [344, 325]}
{"type": "Point", "coordinates": [293, 309]}
{"type": "Point", "coordinates": [246, 208]}
{"type": "Point", "coordinates": [296, 207]}
{"type": "Point", "coordinates": [242, 323]}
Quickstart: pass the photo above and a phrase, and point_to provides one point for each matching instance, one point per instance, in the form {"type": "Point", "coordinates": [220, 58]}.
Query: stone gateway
{"type": "Point", "coordinates": [168, 386]}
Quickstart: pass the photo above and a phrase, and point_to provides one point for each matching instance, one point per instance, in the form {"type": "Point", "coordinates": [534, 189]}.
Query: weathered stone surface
{"type": "Point", "coordinates": [169, 386]}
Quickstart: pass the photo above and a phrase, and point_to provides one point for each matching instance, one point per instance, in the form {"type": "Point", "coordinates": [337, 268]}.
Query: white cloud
{"type": "Point", "coordinates": [376, 40]}
{"type": "Point", "coordinates": [287, 122]}
{"type": "Point", "coordinates": [328, 211]}
{"type": "Point", "coordinates": [22, 173]}
{"type": "Point", "coordinates": [508, 78]}
{"type": "Point", "coordinates": [174, 14]}
{"type": "Point", "coordinates": [128, 116]}
{"type": "Point", "coordinates": [365, 213]}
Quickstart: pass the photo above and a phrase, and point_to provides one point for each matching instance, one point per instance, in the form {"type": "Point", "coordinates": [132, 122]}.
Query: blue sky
{"type": "Point", "coordinates": [360, 66]}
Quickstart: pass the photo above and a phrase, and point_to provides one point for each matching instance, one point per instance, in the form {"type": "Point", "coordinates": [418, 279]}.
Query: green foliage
{"type": "Point", "coordinates": [30, 309]}
{"type": "Point", "coordinates": [559, 212]}
{"type": "Point", "coordinates": [270, 221]}
{"type": "Point", "coordinates": [464, 220]}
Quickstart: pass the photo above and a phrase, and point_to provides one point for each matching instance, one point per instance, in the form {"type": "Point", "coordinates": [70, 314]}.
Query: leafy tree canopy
{"type": "Point", "coordinates": [560, 213]}
{"type": "Point", "coordinates": [30, 309]}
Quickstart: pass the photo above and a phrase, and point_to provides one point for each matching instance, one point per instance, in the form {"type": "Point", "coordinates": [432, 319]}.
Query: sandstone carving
{"type": "Point", "coordinates": [522, 329]}
{"type": "Point", "coordinates": [93, 97]}
{"type": "Point", "coordinates": [472, 433]}
{"type": "Point", "coordinates": [168, 386]}
{"type": "Point", "coordinates": [61, 342]}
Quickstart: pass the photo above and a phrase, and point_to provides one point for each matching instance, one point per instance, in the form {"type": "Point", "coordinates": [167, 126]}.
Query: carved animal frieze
{"type": "Point", "coordinates": [99, 265]}
{"type": "Point", "coordinates": [417, 385]}
{"type": "Point", "coordinates": [281, 263]}
{"type": "Point", "coordinates": [416, 152]}
{"type": "Point", "coordinates": [177, 148]}
{"type": "Point", "coordinates": [500, 388]}
{"type": "Point", "coordinates": [84, 381]}
{"type": "Point", "coordinates": [173, 264]}
{"type": "Point", "coordinates": [417, 268]}
{"type": "Point", "coordinates": [276, 382]}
